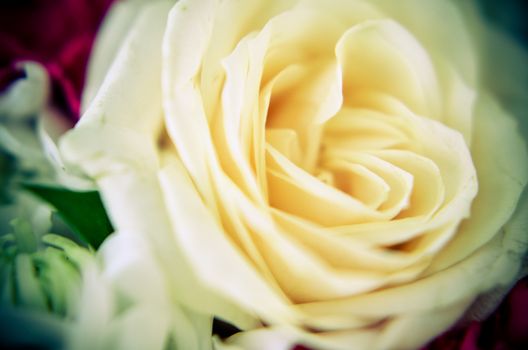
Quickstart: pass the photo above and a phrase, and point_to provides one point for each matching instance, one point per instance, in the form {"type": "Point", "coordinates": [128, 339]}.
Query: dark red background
{"type": "Point", "coordinates": [57, 33]}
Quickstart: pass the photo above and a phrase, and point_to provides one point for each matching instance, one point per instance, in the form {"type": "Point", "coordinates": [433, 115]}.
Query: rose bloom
{"type": "Point", "coordinates": [326, 173]}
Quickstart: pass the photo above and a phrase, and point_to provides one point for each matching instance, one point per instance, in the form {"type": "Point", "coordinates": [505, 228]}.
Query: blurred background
{"type": "Point", "coordinates": [510, 15]}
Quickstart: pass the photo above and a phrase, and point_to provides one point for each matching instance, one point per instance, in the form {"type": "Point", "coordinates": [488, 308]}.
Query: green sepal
{"type": "Point", "coordinates": [83, 211]}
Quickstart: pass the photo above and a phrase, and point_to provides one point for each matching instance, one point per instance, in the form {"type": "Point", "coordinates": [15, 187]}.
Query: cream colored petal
{"type": "Point", "coordinates": [501, 160]}
{"type": "Point", "coordinates": [286, 338]}
{"type": "Point", "coordinates": [274, 114]}
{"type": "Point", "coordinates": [301, 73]}
{"type": "Point", "coordinates": [428, 188]}
{"type": "Point", "coordinates": [366, 129]}
{"type": "Point", "coordinates": [455, 172]}
{"type": "Point", "coordinates": [260, 339]}
{"type": "Point", "coordinates": [340, 252]}
{"type": "Point", "coordinates": [462, 281]}
{"type": "Point", "coordinates": [359, 182]}
{"type": "Point", "coordinates": [117, 150]}
{"type": "Point", "coordinates": [505, 270]}
{"type": "Point", "coordinates": [435, 24]}
{"type": "Point", "coordinates": [236, 229]}
{"type": "Point", "coordinates": [130, 96]}
{"type": "Point", "coordinates": [142, 327]}
{"type": "Point", "coordinates": [112, 33]}
{"type": "Point", "coordinates": [190, 330]}
{"type": "Point", "coordinates": [184, 104]}
{"type": "Point", "coordinates": [235, 127]}
{"type": "Point", "coordinates": [459, 102]}
{"type": "Point", "coordinates": [423, 326]}
{"type": "Point", "coordinates": [204, 243]}
{"type": "Point", "coordinates": [130, 266]}
{"type": "Point", "coordinates": [302, 274]}
{"type": "Point", "coordinates": [116, 140]}
{"type": "Point", "coordinates": [124, 159]}
{"type": "Point", "coordinates": [399, 179]}
{"type": "Point", "coordinates": [233, 20]}
{"type": "Point", "coordinates": [295, 191]}
{"type": "Point", "coordinates": [218, 344]}
{"type": "Point", "coordinates": [285, 141]}
{"type": "Point", "coordinates": [442, 144]}
{"type": "Point", "coordinates": [386, 334]}
{"type": "Point", "coordinates": [346, 12]}
{"type": "Point", "coordinates": [292, 73]}
{"type": "Point", "coordinates": [90, 328]}
{"type": "Point", "coordinates": [399, 227]}
{"type": "Point", "coordinates": [185, 117]}
{"type": "Point", "coordinates": [124, 117]}
{"type": "Point", "coordinates": [313, 99]}
{"type": "Point", "coordinates": [431, 241]}
{"type": "Point", "coordinates": [448, 150]}
{"type": "Point", "coordinates": [311, 40]}
{"type": "Point", "coordinates": [383, 56]}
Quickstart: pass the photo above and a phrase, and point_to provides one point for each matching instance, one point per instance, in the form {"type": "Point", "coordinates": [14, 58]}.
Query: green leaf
{"type": "Point", "coordinates": [82, 211]}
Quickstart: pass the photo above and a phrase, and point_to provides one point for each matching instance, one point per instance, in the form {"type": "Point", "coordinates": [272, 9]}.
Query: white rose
{"type": "Point", "coordinates": [323, 172]}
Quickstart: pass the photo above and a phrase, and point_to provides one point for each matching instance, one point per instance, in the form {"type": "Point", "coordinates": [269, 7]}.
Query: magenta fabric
{"type": "Point", "coordinates": [58, 34]}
